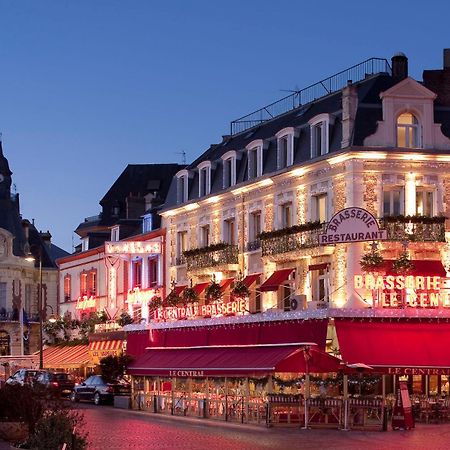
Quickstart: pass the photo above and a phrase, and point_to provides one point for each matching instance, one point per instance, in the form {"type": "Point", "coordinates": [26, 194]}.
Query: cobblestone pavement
{"type": "Point", "coordinates": [111, 429]}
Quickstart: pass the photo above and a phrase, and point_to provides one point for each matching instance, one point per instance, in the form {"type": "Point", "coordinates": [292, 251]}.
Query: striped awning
{"type": "Point", "coordinates": [102, 349]}
{"type": "Point", "coordinates": [66, 356]}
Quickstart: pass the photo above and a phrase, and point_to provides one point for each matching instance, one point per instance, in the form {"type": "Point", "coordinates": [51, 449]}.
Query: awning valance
{"type": "Point", "coordinates": [66, 356]}
{"type": "Point", "coordinates": [273, 282]}
{"type": "Point", "coordinates": [422, 267]}
{"type": "Point", "coordinates": [397, 346]}
{"type": "Point", "coordinates": [233, 360]}
{"type": "Point", "coordinates": [180, 289]}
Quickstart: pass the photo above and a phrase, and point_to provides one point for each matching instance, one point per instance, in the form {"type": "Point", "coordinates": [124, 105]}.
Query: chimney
{"type": "Point", "coordinates": [46, 237]}
{"type": "Point", "coordinates": [399, 66]}
{"type": "Point", "coordinates": [438, 81]}
{"type": "Point", "coordinates": [446, 58]}
{"type": "Point", "coordinates": [349, 107]}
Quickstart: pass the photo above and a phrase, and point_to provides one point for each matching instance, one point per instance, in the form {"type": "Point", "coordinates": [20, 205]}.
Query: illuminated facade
{"type": "Point", "coordinates": [264, 193]}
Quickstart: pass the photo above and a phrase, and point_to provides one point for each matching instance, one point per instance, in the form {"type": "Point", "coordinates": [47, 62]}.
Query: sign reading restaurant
{"type": "Point", "coordinates": [352, 225]}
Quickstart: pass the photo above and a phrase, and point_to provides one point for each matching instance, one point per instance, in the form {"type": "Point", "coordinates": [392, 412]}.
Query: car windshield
{"type": "Point", "coordinates": [61, 377]}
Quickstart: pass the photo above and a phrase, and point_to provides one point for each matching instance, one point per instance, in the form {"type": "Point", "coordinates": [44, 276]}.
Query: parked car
{"type": "Point", "coordinates": [24, 377]}
{"type": "Point", "coordinates": [97, 389]}
{"type": "Point", "coordinates": [58, 384]}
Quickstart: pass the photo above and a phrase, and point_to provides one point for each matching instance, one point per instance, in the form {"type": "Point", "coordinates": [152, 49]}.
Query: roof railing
{"type": "Point", "coordinates": [358, 72]}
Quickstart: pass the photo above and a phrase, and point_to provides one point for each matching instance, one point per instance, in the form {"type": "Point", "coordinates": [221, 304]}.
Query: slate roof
{"type": "Point", "coordinates": [368, 113]}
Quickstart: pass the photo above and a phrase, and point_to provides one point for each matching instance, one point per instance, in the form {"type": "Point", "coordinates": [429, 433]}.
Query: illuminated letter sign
{"type": "Point", "coordinates": [352, 225]}
{"type": "Point", "coordinates": [85, 302]}
{"type": "Point", "coordinates": [132, 247]}
{"type": "Point", "coordinates": [138, 297]}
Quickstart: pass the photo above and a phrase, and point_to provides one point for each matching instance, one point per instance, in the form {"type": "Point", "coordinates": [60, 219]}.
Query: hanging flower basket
{"type": "Point", "coordinates": [173, 299]}
{"type": "Point", "coordinates": [372, 262]}
{"type": "Point", "coordinates": [240, 290]}
{"type": "Point", "coordinates": [403, 265]}
{"type": "Point", "coordinates": [189, 296]}
{"type": "Point", "coordinates": [213, 292]}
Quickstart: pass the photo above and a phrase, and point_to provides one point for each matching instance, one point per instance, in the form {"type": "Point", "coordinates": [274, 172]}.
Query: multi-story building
{"type": "Point", "coordinates": [24, 251]}
{"type": "Point", "coordinates": [353, 168]}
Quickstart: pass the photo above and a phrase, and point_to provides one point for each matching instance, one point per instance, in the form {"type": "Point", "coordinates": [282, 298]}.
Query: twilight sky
{"type": "Point", "coordinates": [89, 86]}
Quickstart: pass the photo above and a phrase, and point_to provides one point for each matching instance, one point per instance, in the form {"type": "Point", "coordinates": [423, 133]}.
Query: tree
{"type": "Point", "coordinates": [113, 367]}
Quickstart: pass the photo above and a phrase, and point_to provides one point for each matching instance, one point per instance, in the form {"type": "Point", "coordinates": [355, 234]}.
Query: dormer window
{"type": "Point", "coordinates": [229, 169]}
{"type": "Point", "coordinates": [255, 159]}
{"type": "Point", "coordinates": [147, 223]}
{"type": "Point", "coordinates": [320, 139]}
{"type": "Point", "coordinates": [115, 234]}
{"type": "Point", "coordinates": [182, 186]}
{"type": "Point", "coordinates": [85, 244]}
{"type": "Point", "coordinates": [285, 148]}
{"type": "Point", "coordinates": [408, 131]}
{"type": "Point", "coordinates": [204, 178]}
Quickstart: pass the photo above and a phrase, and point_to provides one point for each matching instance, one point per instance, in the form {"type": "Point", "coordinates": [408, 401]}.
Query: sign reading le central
{"type": "Point", "coordinates": [352, 225]}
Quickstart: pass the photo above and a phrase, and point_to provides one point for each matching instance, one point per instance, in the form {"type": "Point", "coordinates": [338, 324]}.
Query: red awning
{"type": "Point", "coordinates": [250, 279]}
{"type": "Point", "coordinates": [225, 283]}
{"type": "Point", "coordinates": [66, 356]}
{"type": "Point", "coordinates": [395, 346]}
{"type": "Point", "coordinates": [422, 267]}
{"type": "Point", "coordinates": [179, 289]}
{"type": "Point", "coordinates": [232, 360]}
{"type": "Point", "coordinates": [273, 282]}
{"type": "Point", "coordinates": [200, 287]}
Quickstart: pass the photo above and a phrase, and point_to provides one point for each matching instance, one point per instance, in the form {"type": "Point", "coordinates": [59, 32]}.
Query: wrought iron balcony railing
{"type": "Point", "coordinates": [254, 245]}
{"type": "Point", "coordinates": [414, 228]}
{"type": "Point", "coordinates": [214, 255]}
{"type": "Point", "coordinates": [287, 240]}
{"type": "Point", "coordinates": [14, 316]}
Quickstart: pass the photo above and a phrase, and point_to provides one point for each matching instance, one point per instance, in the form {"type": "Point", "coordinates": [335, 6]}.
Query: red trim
{"type": "Point", "coordinates": [273, 282]}
{"type": "Point", "coordinates": [322, 266]}
{"type": "Point", "coordinates": [200, 287]}
{"type": "Point", "coordinates": [225, 283]}
{"type": "Point", "coordinates": [250, 279]}
{"type": "Point", "coordinates": [180, 289]}
{"type": "Point", "coordinates": [422, 267]}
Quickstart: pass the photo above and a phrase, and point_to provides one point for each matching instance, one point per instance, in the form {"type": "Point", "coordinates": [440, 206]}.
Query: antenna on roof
{"type": "Point", "coordinates": [183, 156]}
{"type": "Point", "coordinates": [296, 90]}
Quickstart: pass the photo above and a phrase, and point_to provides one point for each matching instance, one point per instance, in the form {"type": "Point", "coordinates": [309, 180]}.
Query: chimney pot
{"type": "Point", "coordinates": [446, 58]}
{"type": "Point", "coordinates": [399, 66]}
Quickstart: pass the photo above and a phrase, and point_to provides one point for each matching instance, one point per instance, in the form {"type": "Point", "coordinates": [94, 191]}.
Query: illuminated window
{"type": "Point", "coordinates": [92, 282]}
{"type": "Point", "coordinates": [393, 201]}
{"type": "Point", "coordinates": [229, 231]}
{"type": "Point", "coordinates": [83, 284]}
{"type": "Point", "coordinates": [181, 243]}
{"type": "Point", "coordinates": [408, 131]}
{"type": "Point", "coordinates": [67, 288]}
{"type": "Point", "coordinates": [285, 292]}
{"type": "Point", "coordinates": [425, 202]}
{"type": "Point", "coordinates": [319, 208]}
{"type": "Point", "coordinates": [204, 236]}
{"type": "Point", "coordinates": [320, 283]}
{"type": "Point", "coordinates": [255, 225]}
{"type": "Point", "coordinates": [286, 215]}
{"type": "Point", "coordinates": [153, 272]}
{"type": "Point", "coordinates": [137, 273]}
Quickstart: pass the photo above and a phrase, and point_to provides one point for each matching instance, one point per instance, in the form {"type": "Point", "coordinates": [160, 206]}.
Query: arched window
{"type": "Point", "coordinates": [408, 131]}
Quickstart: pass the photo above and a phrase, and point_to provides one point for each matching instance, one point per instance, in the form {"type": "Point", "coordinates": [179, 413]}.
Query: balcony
{"type": "Point", "coordinates": [291, 239]}
{"type": "Point", "coordinates": [212, 256]}
{"type": "Point", "coordinates": [14, 316]}
{"type": "Point", "coordinates": [254, 245]}
{"type": "Point", "coordinates": [414, 228]}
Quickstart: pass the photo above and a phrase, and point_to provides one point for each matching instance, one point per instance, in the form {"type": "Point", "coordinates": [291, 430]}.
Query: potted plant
{"type": "Point", "coordinates": [190, 296]}
{"type": "Point", "coordinates": [372, 261]}
{"type": "Point", "coordinates": [156, 302]}
{"type": "Point", "coordinates": [213, 291]}
{"type": "Point", "coordinates": [403, 265]}
{"type": "Point", "coordinates": [240, 290]}
{"type": "Point", "coordinates": [173, 299]}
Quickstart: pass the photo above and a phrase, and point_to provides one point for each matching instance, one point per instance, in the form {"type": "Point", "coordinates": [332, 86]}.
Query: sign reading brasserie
{"type": "Point", "coordinates": [405, 290]}
{"type": "Point", "coordinates": [196, 311]}
{"type": "Point", "coordinates": [352, 225]}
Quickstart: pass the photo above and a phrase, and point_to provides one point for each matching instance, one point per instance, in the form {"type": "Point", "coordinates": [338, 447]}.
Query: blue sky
{"type": "Point", "coordinates": [89, 86]}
